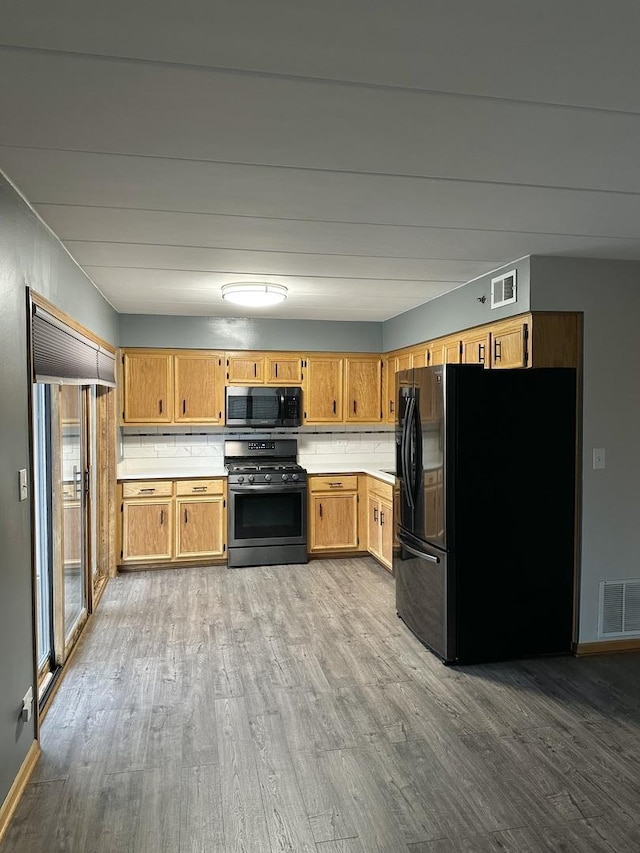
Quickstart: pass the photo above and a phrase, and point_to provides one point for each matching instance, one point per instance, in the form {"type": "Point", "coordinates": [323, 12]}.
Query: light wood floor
{"type": "Point", "coordinates": [288, 709]}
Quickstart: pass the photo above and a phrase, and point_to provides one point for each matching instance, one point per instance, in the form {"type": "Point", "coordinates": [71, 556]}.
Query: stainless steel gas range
{"type": "Point", "coordinates": [267, 489]}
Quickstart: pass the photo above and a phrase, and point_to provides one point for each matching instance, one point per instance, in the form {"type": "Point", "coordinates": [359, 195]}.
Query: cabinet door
{"type": "Point", "coordinates": [146, 530]}
{"type": "Point", "coordinates": [435, 353]}
{"type": "Point", "coordinates": [323, 390]}
{"type": "Point", "coordinates": [284, 370]}
{"type": "Point", "coordinates": [148, 388]}
{"type": "Point", "coordinates": [200, 527]}
{"type": "Point", "coordinates": [403, 361]}
{"type": "Point", "coordinates": [245, 370]}
{"type": "Point", "coordinates": [373, 525]}
{"type": "Point", "coordinates": [476, 348]}
{"type": "Point", "coordinates": [419, 358]}
{"type": "Point", "coordinates": [386, 533]}
{"type": "Point", "coordinates": [509, 346]}
{"type": "Point", "coordinates": [451, 351]}
{"type": "Point", "coordinates": [199, 388]}
{"type": "Point", "coordinates": [334, 522]}
{"type": "Point", "coordinates": [363, 384]}
{"type": "Point", "coordinates": [388, 390]}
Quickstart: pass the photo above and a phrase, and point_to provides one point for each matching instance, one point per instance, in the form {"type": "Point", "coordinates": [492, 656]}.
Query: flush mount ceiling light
{"type": "Point", "coordinates": [254, 293]}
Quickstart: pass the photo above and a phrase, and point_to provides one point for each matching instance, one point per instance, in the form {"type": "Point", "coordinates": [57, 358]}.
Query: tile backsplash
{"type": "Point", "coordinates": [319, 446]}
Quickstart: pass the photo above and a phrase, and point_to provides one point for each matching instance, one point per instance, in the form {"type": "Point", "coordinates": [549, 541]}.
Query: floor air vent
{"type": "Point", "coordinates": [619, 608]}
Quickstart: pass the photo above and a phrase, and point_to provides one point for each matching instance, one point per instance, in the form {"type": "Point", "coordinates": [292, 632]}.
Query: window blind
{"type": "Point", "coordinates": [62, 355]}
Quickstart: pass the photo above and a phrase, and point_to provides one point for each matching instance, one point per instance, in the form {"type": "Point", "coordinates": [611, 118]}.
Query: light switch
{"type": "Point", "coordinates": [23, 488]}
{"type": "Point", "coordinates": [598, 457]}
{"type": "Point", "coordinates": [27, 706]}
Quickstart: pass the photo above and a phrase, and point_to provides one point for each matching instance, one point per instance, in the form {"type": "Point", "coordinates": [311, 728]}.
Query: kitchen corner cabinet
{"type": "Point", "coordinates": [380, 521]}
{"type": "Point", "coordinates": [363, 390]}
{"type": "Point", "coordinates": [323, 390]}
{"type": "Point", "coordinates": [169, 521]}
{"type": "Point", "coordinates": [333, 514]}
{"type": "Point", "coordinates": [172, 387]}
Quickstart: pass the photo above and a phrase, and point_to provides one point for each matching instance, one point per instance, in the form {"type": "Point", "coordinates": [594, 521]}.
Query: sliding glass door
{"type": "Point", "coordinates": [72, 451]}
{"type": "Point", "coordinates": [66, 516]}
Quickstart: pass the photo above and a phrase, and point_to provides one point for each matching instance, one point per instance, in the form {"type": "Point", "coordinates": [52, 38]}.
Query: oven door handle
{"type": "Point", "coordinates": [268, 487]}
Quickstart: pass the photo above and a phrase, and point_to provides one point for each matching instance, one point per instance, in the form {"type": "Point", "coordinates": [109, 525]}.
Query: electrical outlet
{"type": "Point", "coordinates": [598, 457]}
{"type": "Point", "coordinates": [27, 706]}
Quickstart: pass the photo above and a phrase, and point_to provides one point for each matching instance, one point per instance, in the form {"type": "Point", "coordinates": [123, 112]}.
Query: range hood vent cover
{"type": "Point", "coordinates": [503, 289]}
{"type": "Point", "coordinates": [619, 611]}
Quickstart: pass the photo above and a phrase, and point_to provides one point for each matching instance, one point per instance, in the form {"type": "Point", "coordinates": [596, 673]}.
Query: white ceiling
{"type": "Point", "coordinates": [368, 155]}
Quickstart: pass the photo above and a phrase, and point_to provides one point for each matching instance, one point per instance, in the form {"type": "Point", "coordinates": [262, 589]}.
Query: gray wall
{"type": "Point", "coordinates": [608, 292]}
{"type": "Point", "coordinates": [29, 255]}
{"type": "Point", "coordinates": [456, 310]}
{"type": "Point", "coordinates": [143, 330]}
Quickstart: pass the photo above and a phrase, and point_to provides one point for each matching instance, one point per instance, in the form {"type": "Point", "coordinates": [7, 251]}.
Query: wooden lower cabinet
{"type": "Point", "coordinates": [380, 521]}
{"type": "Point", "coordinates": [146, 530]}
{"type": "Point", "coordinates": [172, 520]}
{"type": "Point", "coordinates": [333, 514]}
{"type": "Point", "coordinates": [199, 527]}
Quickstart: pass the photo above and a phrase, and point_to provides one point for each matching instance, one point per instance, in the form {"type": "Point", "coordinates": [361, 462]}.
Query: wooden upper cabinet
{"type": "Point", "coordinates": [403, 361]}
{"type": "Point", "coordinates": [451, 350]}
{"type": "Point", "coordinates": [363, 390]}
{"type": "Point", "coordinates": [284, 369]}
{"type": "Point", "coordinates": [147, 388]}
{"type": "Point", "coordinates": [199, 388]}
{"type": "Point", "coordinates": [419, 357]}
{"type": "Point", "coordinates": [323, 390]}
{"type": "Point", "coordinates": [509, 344]}
{"type": "Point", "coordinates": [388, 391]}
{"type": "Point", "coordinates": [435, 353]}
{"type": "Point", "coordinates": [476, 347]}
{"type": "Point", "coordinates": [245, 369]}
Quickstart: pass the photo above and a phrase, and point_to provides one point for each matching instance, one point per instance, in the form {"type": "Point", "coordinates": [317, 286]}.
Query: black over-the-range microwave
{"type": "Point", "coordinates": [260, 406]}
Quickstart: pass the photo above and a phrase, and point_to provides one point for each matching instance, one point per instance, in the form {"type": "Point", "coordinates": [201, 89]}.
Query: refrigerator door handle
{"type": "Point", "coordinates": [416, 553]}
{"type": "Point", "coordinates": [408, 486]}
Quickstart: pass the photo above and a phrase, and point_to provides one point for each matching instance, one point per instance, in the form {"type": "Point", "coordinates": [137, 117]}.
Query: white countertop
{"type": "Point", "coordinates": [175, 469]}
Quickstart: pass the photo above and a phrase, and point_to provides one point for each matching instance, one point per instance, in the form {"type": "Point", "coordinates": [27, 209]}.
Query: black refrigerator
{"type": "Point", "coordinates": [486, 461]}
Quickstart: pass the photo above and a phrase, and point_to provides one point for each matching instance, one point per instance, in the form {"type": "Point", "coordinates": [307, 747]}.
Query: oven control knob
{"type": "Point", "coordinates": [294, 476]}
{"type": "Point", "coordinates": [267, 477]}
{"type": "Point", "coordinates": [285, 477]}
{"type": "Point", "coordinates": [251, 478]}
{"type": "Point", "coordinates": [241, 479]}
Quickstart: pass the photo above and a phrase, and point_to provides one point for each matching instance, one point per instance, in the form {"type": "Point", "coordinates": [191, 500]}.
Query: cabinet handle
{"type": "Point", "coordinates": [160, 406]}
{"type": "Point", "coordinates": [161, 516]}
{"type": "Point", "coordinates": [255, 368]}
{"type": "Point", "coordinates": [355, 407]}
{"type": "Point", "coordinates": [497, 355]}
{"type": "Point", "coordinates": [337, 485]}
{"type": "Point", "coordinates": [481, 353]}
{"type": "Point", "coordinates": [320, 505]}
{"type": "Point", "coordinates": [186, 517]}
{"type": "Point", "coordinates": [381, 518]}
{"type": "Point", "coordinates": [375, 513]}
{"type": "Point", "coordinates": [276, 369]}
{"type": "Point", "coordinates": [146, 491]}
{"type": "Point", "coordinates": [391, 407]}
{"type": "Point", "coordinates": [184, 407]}
{"type": "Point", "coordinates": [198, 488]}
{"type": "Point", "coordinates": [334, 407]}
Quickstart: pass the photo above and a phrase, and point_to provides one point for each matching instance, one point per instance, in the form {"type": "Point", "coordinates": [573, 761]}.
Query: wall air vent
{"type": "Point", "coordinates": [619, 610]}
{"type": "Point", "coordinates": [503, 289]}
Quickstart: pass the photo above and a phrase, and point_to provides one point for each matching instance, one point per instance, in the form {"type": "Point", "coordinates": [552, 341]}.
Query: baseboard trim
{"type": "Point", "coordinates": [8, 808]}
{"type": "Point", "coordinates": [607, 647]}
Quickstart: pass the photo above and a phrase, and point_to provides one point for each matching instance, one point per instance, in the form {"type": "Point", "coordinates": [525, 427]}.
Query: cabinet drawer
{"type": "Point", "coordinates": [147, 489]}
{"type": "Point", "coordinates": [333, 484]}
{"type": "Point", "coordinates": [199, 487]}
